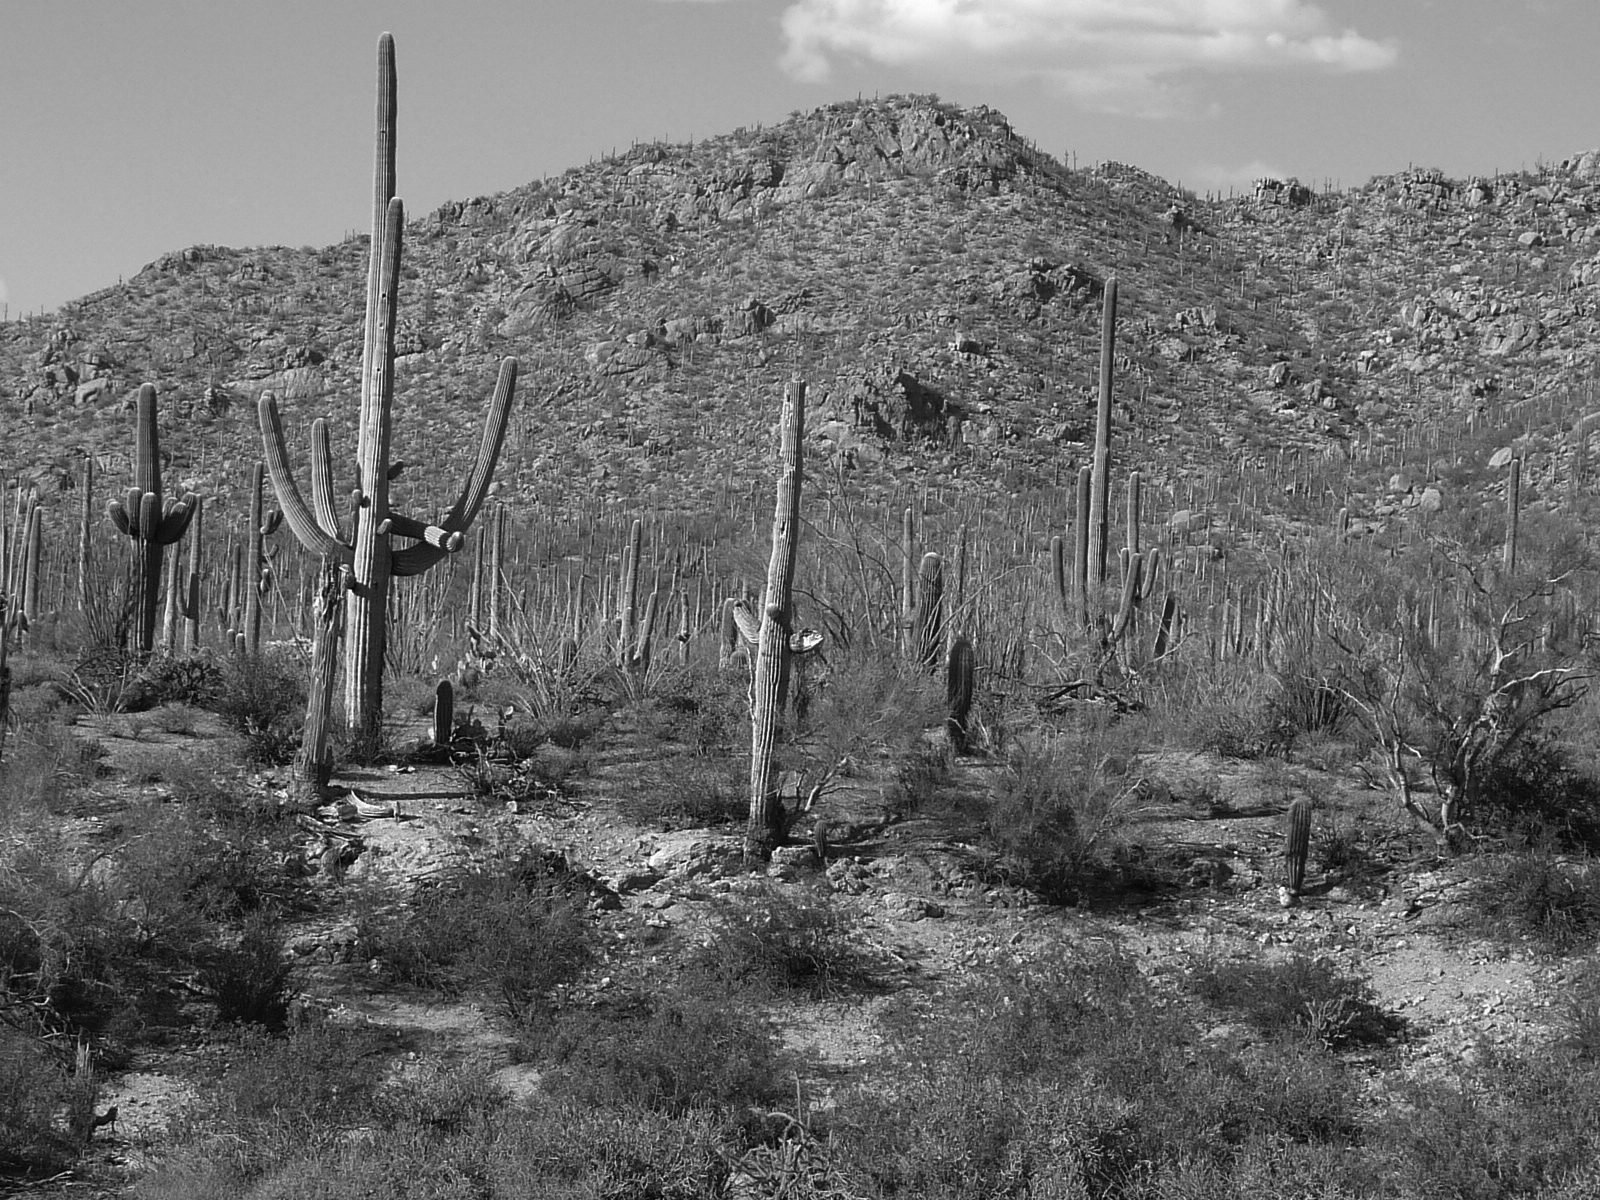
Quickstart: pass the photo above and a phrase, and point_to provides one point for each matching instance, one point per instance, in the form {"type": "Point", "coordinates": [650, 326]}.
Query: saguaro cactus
{"type": "Point", "coordinates": [1296, 844]}
{"type": "Point", "coordinates": [84, 524]}
{"type": "Point", "coordinates": [368, 552]}
{"type": "Point", "coordinates": [154, 522]}
{"type": "Point", "coordinates": [928, 616]}
{"type": "Point", "coordinates": [191, 590]}
{"type": "Point", "coordinates": [960, 667]}
{"type": "Point", "coordinates": [1100, 500]}
{"type": "Point", "coordinates": [1513, 513]}
{"type": "Point", "coordinates": [773, 641]}
{"type": "Point", "coordinates": [444, 713]}
{"type": "Point", "coordinates": [262, 526]}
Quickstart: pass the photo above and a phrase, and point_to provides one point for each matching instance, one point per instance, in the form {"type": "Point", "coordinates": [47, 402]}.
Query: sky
{"type": "Point", "coordinates": [129, 128]}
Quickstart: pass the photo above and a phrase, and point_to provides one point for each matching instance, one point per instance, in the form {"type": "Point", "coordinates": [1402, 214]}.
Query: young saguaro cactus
{"type": "Point", "coordinates": [152, 520]}
{"type": "Point", "coordinates": [1297, 844]}
{"type": "Point", "coordinates": [367, 550]}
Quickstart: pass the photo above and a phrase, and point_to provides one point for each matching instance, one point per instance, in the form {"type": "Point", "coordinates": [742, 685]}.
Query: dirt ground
{"type": "Point", "coordinates": [926, 896]}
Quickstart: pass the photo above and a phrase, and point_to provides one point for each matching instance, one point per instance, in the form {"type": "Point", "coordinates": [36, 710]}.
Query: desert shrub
{"type": "Point", "coordinates": [670, 1052]}
{"type": "Point", "coordinates": [552, 1148]}
{"type": "Point", "coordinates": [180, 875]}
{"type": "Point", "coordinates": [1073, 1075]}
{"type": "Point", "coordinates": [1235, 712]}
{"type": "Point", "coordinates": [46, 767]}
{"type": "Point", "coordinates": [512, 927]}
{"type": "Point", "coordinates": [1060, 813]}
{"type": "Point", "coordinates": [571, 732]}
{"type": "Point", "coordinates": [250, 981]}
{"type": "Point", "coordinates": [775, 939]}
{"type": "Point", "coordinates": [194, 679]}
{"type": "Point", "coordinates": [1578, 1016]}
{"type": "Point", "coordinates": [67, 950]}
{"type": "Point", "coordinates": [702, 707]}
{"type": "Point", "coordinates": [1533, 893]}
{"type": "Point", "coordinates": [279, 1101]}
{"type": "Point", "coordinates": [868, 700]}
{"type": "Point", "coordinates": [688, 790]}
{"type": "Point", "coordinates": [1508, 1125]}
{"type": "Point", "coordinates": [45, 1107]}
{"type": "Point", "coordinates": [1540, 790]}
{"type": "Point", "coordinates": [263, 697]}
{"type": "Point", "coordinates": [1301, 995]}
{"type": "Point", "coordinates": [917, 779]}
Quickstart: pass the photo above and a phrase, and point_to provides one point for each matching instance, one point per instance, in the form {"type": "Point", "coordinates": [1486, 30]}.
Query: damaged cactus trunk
{"type": "Point", "coordinates": [773, 646]}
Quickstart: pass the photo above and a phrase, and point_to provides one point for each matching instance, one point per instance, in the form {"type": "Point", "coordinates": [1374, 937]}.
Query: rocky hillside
{"type": "Point", "coordinates": [936, 277]}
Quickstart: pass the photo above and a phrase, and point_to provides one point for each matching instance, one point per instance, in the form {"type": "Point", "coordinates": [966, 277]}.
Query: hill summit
{"type": "Point", "coordinates": [934, 275]}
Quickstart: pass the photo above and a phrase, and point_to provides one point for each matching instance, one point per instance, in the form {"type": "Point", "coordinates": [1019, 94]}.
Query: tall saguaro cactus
{"type": "Point", "coordinates": [368, 551]}
{"type": "Point", "coordinates": [773, 645]}
{"type": "Point", "coordinates": [154, 522]}
{"type": "Point", "coordinates": [1100, 498]}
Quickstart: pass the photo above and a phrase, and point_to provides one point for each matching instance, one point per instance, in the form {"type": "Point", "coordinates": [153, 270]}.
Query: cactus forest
{"type": "Point", "coordinates": [851, 658]}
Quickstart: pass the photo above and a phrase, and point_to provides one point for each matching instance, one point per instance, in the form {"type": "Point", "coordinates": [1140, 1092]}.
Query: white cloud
{"type": "Point", "coordinates": [1115, 54]}
{"type": "Point", "coordinates": [1216, 177]}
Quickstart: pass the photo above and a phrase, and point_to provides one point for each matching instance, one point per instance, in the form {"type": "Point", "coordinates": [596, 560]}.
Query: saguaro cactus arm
{"type": "Point", "coordinates": [305, 524]}
{"type": "Point", "coordinates": [413, 560]}
{"type": "Point", "coordinates": [322, 502]}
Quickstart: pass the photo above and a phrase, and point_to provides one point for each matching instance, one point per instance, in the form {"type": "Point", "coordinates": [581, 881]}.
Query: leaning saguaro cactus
{"type": "Point", "coordinates": [773, 648]}
{"type": "Point", "coordinates": [368, 551]}
{"type": "Point", "coordinates": [154, 522]}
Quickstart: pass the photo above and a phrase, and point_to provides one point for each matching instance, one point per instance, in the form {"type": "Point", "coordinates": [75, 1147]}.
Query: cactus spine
{"type": "Point", "coordinates": [773, 642]}
{"type": "Point", "coordinates": [368, 552]}
{"type": "Point", "coordinates": [1297, 844]}
{"type": "Point", "coordinates": [154, 522]}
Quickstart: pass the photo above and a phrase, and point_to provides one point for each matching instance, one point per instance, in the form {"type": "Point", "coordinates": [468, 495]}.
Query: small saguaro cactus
{"type": "Point", "coordinates": [1297, 844]}
{"type": "Point", "coordinates": [154, 522]}
{"type": "Point", "coordinates": [960, 667]}
{"type": "Point", "coordinates": [367, 550]}
{"type": "Point", "coordinates": [928, 616]}
{"type": "Point", "coordinates": [444, 713]}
